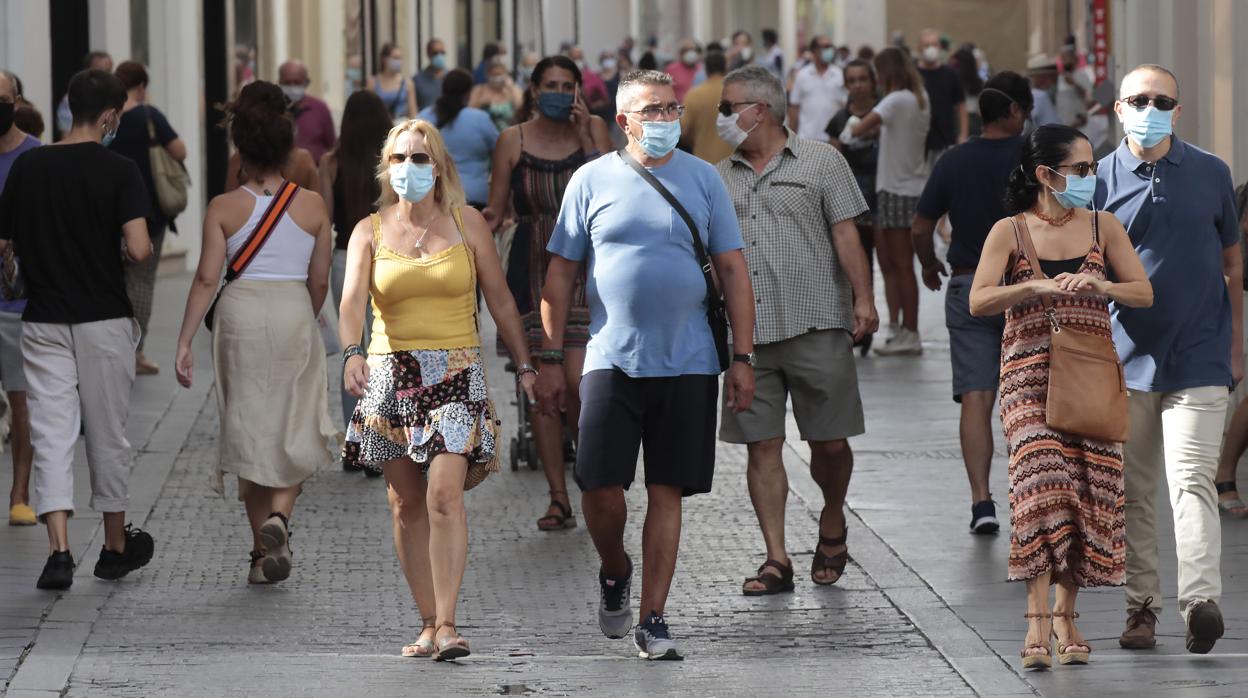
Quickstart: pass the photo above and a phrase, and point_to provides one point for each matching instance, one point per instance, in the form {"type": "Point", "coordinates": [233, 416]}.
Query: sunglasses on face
{"type": "Point", "coordinates": [1082, 169]}
{"type": "Point", "coordinates": [726, 108]}
{"type": "Point", "coordinates": [1162, 102]}
{"type": "Point", "coordinates": [416, 158]}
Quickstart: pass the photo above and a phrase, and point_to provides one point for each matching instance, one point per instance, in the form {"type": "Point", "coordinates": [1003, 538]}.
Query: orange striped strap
{"type": "Point", "coordinates": [277, 208]}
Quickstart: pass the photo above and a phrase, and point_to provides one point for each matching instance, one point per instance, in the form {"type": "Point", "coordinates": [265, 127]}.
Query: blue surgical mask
{"type": "Point", "coordinates": [555, 105]}
{"type": "Point", "coordinates": [1148, 126]}
{"type": "Point", "coordinates": [410, 181]}
{"type": "Point", "coordinates": [827, 55]}
{"type": "Point", "coordinates": [658, 138]}
{"type": "Point", "coordinates": [1079, 190]}
{"type": "Point", "coordinates": [438, 61]}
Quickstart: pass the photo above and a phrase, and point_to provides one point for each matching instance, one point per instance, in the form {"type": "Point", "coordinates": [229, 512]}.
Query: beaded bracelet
{"type": "Point", "coordinates": [550, 356]}
{"type": "Point", "coordinates": [352, 350]}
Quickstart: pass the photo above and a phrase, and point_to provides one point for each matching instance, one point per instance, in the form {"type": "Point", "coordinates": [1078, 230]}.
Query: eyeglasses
{"type": "Point", "coordinates": [1162, 102]}
{"type": "Point", "coordinates": [1082, 169]}
{"type": "Point", "coordinates": [726, 108]}
{"type": "Point", "coordinates": [655, 112]}
{"type": "Point", "coordinates": [416, 158]}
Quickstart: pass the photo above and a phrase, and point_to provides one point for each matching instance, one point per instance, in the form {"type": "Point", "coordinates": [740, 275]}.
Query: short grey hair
{"type": "Point", "coordinates": [633, 82]}
{"type": "Point", "coordinates": [761, 86]}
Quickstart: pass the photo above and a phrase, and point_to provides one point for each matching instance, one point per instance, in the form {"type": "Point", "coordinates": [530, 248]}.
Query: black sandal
{"type": "Point", "coordinates": [772, 583]}
{"type": "Point", "coordinates": [563, 519]}
{"type": "Point", "coordinates": [824, 562]}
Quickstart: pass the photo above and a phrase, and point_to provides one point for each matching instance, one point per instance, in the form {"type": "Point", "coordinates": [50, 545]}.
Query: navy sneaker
{"type": "Point", "coordinates": [615, 617]}
{"type": "Point", "coordinates": [113, 565]}
{"type": "Point", "coordinates": [984, 518]}
{"type": "Point", "coordinates": [654, 641]}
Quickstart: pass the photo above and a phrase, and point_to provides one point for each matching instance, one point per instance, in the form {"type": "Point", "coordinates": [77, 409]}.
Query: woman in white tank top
{"type": "Point", "coordinates": [266, 347]}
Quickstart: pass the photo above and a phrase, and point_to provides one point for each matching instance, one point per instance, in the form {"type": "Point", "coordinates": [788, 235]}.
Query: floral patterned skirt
{"type": "Point", "coordinates": [423, 403]}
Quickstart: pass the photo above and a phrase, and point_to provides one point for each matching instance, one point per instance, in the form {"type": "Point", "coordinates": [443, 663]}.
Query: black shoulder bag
{"type": "Point", "coordinates": [716, 313]}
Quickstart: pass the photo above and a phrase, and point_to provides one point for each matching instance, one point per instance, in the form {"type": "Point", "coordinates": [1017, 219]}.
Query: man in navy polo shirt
{"type": "Point", "coordinates": [1177, 203]}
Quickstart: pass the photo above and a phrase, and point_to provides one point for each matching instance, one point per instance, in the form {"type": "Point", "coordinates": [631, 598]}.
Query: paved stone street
{"type": "Point", "coordinates": [922, 610]}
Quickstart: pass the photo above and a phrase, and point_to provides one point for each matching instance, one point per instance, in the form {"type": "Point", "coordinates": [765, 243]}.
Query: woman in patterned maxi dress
{"type": "Point", "coordinates": [1066, 491]}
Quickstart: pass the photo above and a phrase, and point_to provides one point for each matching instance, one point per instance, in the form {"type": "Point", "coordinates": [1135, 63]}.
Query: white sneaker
{"type": "Point", "coordinates": [904, 343]}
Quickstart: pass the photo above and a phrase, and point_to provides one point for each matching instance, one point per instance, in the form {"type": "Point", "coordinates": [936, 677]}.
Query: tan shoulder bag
{"type": "Point", "coordinates": [1087, 388]}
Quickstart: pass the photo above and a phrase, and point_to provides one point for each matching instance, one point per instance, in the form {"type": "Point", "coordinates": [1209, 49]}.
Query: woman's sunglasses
{"type": "Point", "coordinates": [1162, 102]}
{"type": "Point", "coordinates": [1081, 169]}
{"type": "Point", "coordinates": [416, 158]}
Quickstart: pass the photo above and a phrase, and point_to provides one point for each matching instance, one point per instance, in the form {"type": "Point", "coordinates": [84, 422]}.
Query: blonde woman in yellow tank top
{"type": "Point", "coordinates": [425, 419]}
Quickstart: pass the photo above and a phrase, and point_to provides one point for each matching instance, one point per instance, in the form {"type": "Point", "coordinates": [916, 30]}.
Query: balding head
{"type": "Point", "coordinates": [293, 72]}
{"type": "Point", "coordinates": [1149, 77]}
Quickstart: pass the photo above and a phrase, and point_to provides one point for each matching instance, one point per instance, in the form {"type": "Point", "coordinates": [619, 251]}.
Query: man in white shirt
{"type": "Point", "coordinates": [818, 92]}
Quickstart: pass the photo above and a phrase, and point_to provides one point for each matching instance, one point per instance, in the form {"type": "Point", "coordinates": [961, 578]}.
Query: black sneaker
{"type": "Point", "coordinates": [984, 518]}
{"type": "Point", "coordinates": [1204, 627]}
{"type": "Point", "coordinates": [137, 553]}
{"type": "Point", "coordinates": [654, 641]}
{"type": "Point", "coordinates": [615, 617]}
{"type": "Point", "coordinates": [58, 571]}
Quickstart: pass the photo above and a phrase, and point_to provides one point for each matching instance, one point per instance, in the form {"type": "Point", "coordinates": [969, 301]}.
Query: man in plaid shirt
{"type": "Point", "coordinates": [796, 200]}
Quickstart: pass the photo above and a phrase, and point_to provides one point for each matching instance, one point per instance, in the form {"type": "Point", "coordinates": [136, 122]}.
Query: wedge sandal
{"type": "Point", "coordinates": [1036, 660]}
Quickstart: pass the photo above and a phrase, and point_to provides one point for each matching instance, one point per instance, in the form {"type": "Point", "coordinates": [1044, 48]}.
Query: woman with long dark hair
{"type": "Point", "coordinates": [349, 187]}
{"type": "Point", "coordinates": [1066, 491]}
{"type": "Point", "coordinates": [862, 153]}
{"type": "Point", "coordinates": [266, 348]}
{"type": "Point", "coordinates": [532, 165]}
{"type": "Point", "coordinates": [903, 117]}
{"type": "Point", "coordinates": [468, 132]}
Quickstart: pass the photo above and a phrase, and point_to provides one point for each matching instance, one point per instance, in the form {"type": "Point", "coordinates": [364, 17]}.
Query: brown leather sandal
{"type": "Point", "coordinates": [1036, 660]}
{"type": "Point", "coordinates": [450, 647]}
{"type": "Point", "coordinates": [823, 561]}
{"type": "Point", "coordinates": [772, 583]}
{"type": "Point", "coordinates": [563, 519]}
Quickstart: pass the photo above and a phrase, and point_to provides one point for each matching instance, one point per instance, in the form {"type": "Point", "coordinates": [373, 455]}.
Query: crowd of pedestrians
{"type": "Point", "coordinates": [646, 240]}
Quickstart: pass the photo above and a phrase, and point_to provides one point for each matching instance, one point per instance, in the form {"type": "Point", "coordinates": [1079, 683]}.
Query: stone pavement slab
{"type": "Point", "coordinates": [189, 625]}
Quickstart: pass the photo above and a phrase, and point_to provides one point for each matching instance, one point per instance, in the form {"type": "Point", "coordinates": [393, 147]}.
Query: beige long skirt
{"type": "Point", "coordinates": [271, 386]}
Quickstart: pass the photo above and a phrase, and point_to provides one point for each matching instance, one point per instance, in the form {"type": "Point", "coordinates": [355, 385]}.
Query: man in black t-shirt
{"type": "Point", "coordinates": [950, 123]}
{"type": "Point", "coordinates": [73, 211]}
{"type": "Point", "coordinates": [968, 183]}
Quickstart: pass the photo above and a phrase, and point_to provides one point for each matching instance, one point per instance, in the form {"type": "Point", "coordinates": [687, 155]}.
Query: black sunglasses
{"type": "Point", "coordinates": [416, 158]}
{"type": "Point", "coordinates": [1162, 102]}
{"type": "Point", "coordinates": [726, 107]}
{"type": "Point", "coordinates": [1082, 169]}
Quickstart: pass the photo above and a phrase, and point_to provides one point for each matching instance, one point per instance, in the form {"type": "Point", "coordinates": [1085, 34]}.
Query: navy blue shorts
{"type": "Point", "coordinates": [673, 418]}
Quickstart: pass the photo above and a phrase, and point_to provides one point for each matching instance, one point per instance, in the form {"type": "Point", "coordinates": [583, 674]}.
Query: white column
{"type": "Point", "coordinates": [700, 20]}
{"type": "Point", "coordinates": [279, 34]}
{"type": "Point", "coordinates": [634, 28]}
{"type": "Point", "coordinates": [176, 86]}
{"type": "Point", "coordinates": [788, 30]}
{"type": "Point", "coordinates": [26, 51]}
{"type": "Point", "coordinates": [508, 30]}
{"type": "Point", "coordinates": [333, 53]}
{"type": "Point", "coordinates": [109, 27]}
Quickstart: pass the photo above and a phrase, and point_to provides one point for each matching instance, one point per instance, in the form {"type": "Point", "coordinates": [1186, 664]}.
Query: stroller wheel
{"type": "Point", "coordinates": [515, 454]}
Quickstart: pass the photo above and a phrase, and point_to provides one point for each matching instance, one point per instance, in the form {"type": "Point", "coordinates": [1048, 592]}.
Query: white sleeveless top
{"type": "Point", "coordinates": [284, 256]}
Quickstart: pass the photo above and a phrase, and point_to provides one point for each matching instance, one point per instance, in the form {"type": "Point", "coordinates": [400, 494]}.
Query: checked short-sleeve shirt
{"type": "Point", "coordinates": [786, 214]}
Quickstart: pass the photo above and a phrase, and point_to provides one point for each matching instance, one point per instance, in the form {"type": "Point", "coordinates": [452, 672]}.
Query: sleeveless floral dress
{"type": "Point", "coordinates": [1066, 492]}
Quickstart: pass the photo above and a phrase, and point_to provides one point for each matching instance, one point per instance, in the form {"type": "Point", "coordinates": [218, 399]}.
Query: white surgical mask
{"type": "Point", "coordinates": [747, 53]}
{"type": "Point", "coordinates": [294, 93]}
{"type": "Point", "coordinates": [730, 131]}
{"type": "Point", "coordinates": [689, 57]}
{"type": "Point", "coordinates": [932, 54]}
{"type": "Point", "coordinates": [609, 64]}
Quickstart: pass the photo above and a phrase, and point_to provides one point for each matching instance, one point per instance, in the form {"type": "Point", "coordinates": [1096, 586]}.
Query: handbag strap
{"type": "Point", "coordinates": [1028, 248]}
{"type": "Point", "coordinates": [263, 230]}
{"type": "Point", "coordinates": [699, 249]}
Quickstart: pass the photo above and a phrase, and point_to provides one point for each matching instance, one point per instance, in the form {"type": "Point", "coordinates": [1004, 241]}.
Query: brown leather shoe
{"type": "Point", "coordinates": [1141, 632]}
{"type": "Point", "coordinates": [1204, 627]}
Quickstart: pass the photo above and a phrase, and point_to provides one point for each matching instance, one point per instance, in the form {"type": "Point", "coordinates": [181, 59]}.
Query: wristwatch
{"type": "Point", "coordinates": [745, 358]}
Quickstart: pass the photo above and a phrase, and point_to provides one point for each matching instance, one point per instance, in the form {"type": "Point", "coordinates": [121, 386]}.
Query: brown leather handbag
{"type": "Point", "coordinates": [1087, 388]}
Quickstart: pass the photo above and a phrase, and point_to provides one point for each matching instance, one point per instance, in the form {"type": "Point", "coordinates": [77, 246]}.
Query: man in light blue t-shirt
{"type": "Point", "coordinates": [651, 367]}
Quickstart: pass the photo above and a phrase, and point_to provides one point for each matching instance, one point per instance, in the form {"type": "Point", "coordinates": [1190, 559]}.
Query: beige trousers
{"type": "Point", "coordinates": [1179, 433]}
{"type": "Point", "coordinates": [80, 372]}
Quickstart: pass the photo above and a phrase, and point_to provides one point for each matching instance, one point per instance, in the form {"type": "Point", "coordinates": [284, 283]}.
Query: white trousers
{"type": "Point", "coordinates": [79, 374]}
{"type": "Point", "coordinates": [1179, 433]}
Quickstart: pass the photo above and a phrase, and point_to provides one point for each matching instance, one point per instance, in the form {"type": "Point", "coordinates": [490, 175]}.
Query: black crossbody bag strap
{"type": "Point", "coordinates": [714, 301]}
